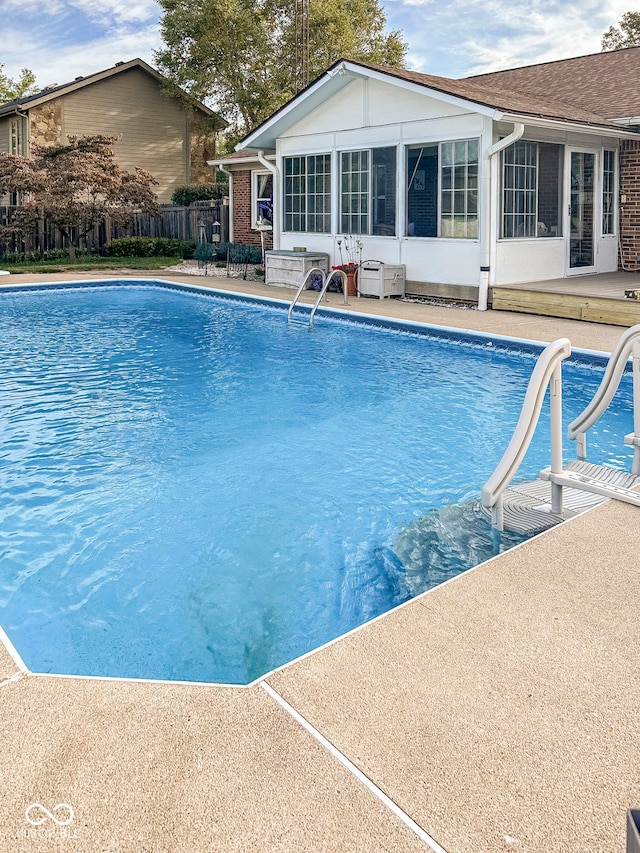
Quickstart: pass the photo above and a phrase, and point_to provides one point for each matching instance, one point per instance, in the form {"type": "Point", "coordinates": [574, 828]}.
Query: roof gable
{"type": "Point", "coordinates": [52, 92]}
{"type": "Point", "coordinates": [496, 98]}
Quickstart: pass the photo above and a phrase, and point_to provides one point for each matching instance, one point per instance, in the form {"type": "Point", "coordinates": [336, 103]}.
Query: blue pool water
{"type": "Point", "coordinates": [192, 489]}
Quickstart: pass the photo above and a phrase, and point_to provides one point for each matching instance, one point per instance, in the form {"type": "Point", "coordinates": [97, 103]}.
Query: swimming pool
{"type": "Point", "coordinates": [193, 489]}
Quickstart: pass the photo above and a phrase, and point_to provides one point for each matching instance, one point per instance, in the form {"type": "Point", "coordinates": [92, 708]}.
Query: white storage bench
{"type": "Point", "coordinates": [288, 268]}
{"type": "Point", "coordinates": [378, 279]}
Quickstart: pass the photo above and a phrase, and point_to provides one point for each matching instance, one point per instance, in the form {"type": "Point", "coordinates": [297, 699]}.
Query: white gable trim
{"type": "Point", "coordinates": [332, 82]}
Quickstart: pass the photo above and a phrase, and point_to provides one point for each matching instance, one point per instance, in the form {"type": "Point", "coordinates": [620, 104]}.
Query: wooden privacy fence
{"type": "Point", "coordinates": [200, 221]}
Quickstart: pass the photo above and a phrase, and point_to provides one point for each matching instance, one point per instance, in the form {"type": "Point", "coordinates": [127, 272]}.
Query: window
{"type": "Point", "coordinates": [608, 192]}
{"type": "Point", "coordinates": [459, 188]}
{"type": "Point", "coordinates": [262, 195]}
{"type": "Point", "coordinates": [368, 192]}
{"type": "Point", "coordinates": [16, 145]}
{"type": "Point", "coordinates": [531, 189]}
{"type": "Point", "coordinates": [442, 190]}
{"type": "Point", "coordinates": [307, 193]}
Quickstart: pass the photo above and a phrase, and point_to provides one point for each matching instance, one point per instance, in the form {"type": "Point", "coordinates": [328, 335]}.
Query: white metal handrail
{"type": "Point", "coordinates": [325, 284]}
{"type": "Point", "coordinates": [302, 287]}
{"type": "Point", "coordinates": [628, 344]}
{"type": "Point", "coordinates": [547, 371]}
{"type": "Point", "coordinates": [326, 279]}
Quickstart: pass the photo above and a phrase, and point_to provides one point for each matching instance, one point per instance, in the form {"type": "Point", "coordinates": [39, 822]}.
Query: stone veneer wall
{"type": "Point", "coordinates": [46, 123]}
{"type": "Point", "coordinates": [202, 148]}
{"type": "Point", "coordinates": [630, 209]}
{"type": "Point", "coordinates": [242, 230]}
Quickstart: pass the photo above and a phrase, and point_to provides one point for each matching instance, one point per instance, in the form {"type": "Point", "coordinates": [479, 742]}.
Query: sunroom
{"type": "Point", "coordinates": [441, 177]}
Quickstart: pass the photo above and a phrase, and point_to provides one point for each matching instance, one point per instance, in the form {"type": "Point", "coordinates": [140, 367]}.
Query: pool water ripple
{"type": "Point", "coordinates": [192, 489]}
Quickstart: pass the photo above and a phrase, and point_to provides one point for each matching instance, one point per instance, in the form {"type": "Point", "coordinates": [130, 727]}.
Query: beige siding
{"type": "Point", "coordinates": [5, 130]}
{"type": "Point", "coordinates": [152, 129]}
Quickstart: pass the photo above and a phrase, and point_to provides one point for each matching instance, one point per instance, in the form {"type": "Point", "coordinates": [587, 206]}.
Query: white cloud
{"type": "Point", "coordinates": [460, 38]}
{"type": "Point", "coordinates": [62, 39]}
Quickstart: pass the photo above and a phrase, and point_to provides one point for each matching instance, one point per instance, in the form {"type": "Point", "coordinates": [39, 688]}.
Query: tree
{"type": "Point", "coordinates": [20, 88]}
{"type": "Point", "coordinates": [242, 53]}
{"type": "Point", "coordinates": [626, 35]}
{"type": "Point", "coordinates": [74, 186]}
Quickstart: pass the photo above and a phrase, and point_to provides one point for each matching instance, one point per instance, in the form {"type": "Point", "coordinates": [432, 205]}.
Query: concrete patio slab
{"type": "Point", "coordinates": [153, 767]}
{"type": "Point", "coordinates": [500, 710]}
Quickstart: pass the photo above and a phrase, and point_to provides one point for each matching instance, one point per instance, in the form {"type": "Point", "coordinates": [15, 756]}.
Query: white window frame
{"type": "Point", "coordinates": [257, 223]}
{"type": "Point", "coordinates": [16, 136]}
{"type": "Point", "coordinates": [307, 194]}
{"type": "Point", "coordinates": [610, 193]}
{"type": "Point", "coordinates": [362, 190]}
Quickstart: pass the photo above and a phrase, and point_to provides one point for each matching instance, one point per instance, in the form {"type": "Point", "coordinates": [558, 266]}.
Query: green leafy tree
{"type": "Point", "coordinates": [74, 186]}
{"type": "Point", "coordinates": [20, 88]}
{"type": "Point", "coordinates": [242, 53]}
{"type": "Point", "coordinates": [627, 34]}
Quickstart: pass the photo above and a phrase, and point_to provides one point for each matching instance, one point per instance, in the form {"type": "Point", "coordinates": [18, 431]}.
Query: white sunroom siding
{"type": "Point", "coordinates": [373, 114]}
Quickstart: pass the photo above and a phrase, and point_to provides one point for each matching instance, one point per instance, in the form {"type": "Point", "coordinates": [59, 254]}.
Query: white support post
{"type": "Point", "coordinates": [555, 391]}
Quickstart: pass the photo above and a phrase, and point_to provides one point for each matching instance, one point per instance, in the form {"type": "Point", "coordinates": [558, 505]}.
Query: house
{"type": "Point", "coordinates": [517, 176]}
{"type": "Point", "coordinates": [155, 132]}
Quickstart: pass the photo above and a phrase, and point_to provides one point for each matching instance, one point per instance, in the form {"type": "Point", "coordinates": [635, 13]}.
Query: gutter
{"type": "Point", "coordinates": [487, 257]}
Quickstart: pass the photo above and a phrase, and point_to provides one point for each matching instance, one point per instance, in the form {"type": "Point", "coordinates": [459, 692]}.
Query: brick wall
{"type": "Point", "coordinates": [630, 209]}
{"type": "Point", "coordinates": [242, 218]}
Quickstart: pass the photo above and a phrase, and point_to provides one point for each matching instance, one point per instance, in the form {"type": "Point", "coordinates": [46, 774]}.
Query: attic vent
{"type": "Point", "coordinates": [119, 63]}
{"type": "Point", "coordinates": [79, 78]}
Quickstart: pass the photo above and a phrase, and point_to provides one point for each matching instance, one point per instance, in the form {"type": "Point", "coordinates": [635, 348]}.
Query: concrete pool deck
{"type": "Point", "coordinates": [500, 711]}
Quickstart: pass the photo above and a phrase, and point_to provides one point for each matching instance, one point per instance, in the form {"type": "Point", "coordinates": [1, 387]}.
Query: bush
{"type": "Point", "coordinates": [19, 257]}
{"type": "Point", "coordinates": [148, 247]}
{"type": "Point", "coordinates": [199, 192]}
{"type": "Point", "coordinates": [239, 253]}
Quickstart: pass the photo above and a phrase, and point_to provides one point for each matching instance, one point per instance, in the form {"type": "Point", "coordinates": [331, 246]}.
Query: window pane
{"type": "Point", "coordinates": [354, 198]}
{"type": "Point", "coordinates": [383, 191]}
{"type": "Point", "coordinates": [608, 192]}
{"type": "Point", "coordinates": [422, 191]}
{"type": "Point", "coordinates": [459, 189]}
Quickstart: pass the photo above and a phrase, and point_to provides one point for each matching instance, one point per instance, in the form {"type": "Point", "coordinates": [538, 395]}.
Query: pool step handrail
{"type": "Point", "coordinates": [302, 287]}
{"type": "Point", "coordinates": [326, 279]}
{"type": "Point", "coordinates": [547, 372]}
{"type": "Point", "coordinates": [627, 346]}
{"type": "Point", "coordinates": [329, 276]}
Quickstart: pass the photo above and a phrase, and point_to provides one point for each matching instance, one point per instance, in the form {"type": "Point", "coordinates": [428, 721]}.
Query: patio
{"type": "Point", "coordinates": [594, 298]}
{"type": "Point", "coordinates": [497, 712]}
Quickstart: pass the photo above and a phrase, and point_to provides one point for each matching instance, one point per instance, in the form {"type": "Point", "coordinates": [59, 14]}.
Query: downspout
{"type": "Point", "coordinates": [488, 244]}
{"type": "Point", "coordinates": [229, 174]}
{"type": "Point", "coordinates": [272, 167]}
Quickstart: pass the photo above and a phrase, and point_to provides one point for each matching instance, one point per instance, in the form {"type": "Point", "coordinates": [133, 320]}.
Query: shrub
{"type": "Point", "coordinates": [148, 247]}
{"type": "Point", "coordinates": [199, 192]}
{"type": "Point", "coordinates": [239, 253]}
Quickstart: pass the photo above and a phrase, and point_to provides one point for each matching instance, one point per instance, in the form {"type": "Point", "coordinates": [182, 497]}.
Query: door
{"type": "Point", "coordinates": [581, 212]}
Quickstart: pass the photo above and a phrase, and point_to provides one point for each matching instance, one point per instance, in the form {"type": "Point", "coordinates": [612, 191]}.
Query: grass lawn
{"type": "Point", "coordinates": [90, 263]}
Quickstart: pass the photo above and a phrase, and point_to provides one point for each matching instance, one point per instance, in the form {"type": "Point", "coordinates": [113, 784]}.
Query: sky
{"type": "Point", "coordinates": [63, 39]}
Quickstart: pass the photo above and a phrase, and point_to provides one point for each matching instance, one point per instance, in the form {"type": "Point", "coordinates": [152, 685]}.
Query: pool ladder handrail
{"type": "Point", "coordinates": [547, 372]}
{"type": "Point", "coordinates": [326, 278]}
{"type": "Point", "coordinates": [628, 346]}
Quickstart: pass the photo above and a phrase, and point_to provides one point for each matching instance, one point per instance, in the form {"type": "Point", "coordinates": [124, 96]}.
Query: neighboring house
{"type": "Point", "coordinates": [154, 131]}
{"type": "Point", "coordinates": [502, 178]}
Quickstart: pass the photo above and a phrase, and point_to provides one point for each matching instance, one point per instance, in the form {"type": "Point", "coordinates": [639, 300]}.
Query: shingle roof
{"type": "Point", "coordinates": [79, 82]}
{"type": "Point", "coordinates": [503, 95]}
{"type": "Point", "coordinates": [607, 83]}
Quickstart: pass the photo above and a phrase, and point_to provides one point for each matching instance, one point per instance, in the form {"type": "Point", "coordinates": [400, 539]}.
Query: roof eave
{"type": "Point", "coordinates": [592, 128]}
{"type": "Point", "coordinates": [65, 89]}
